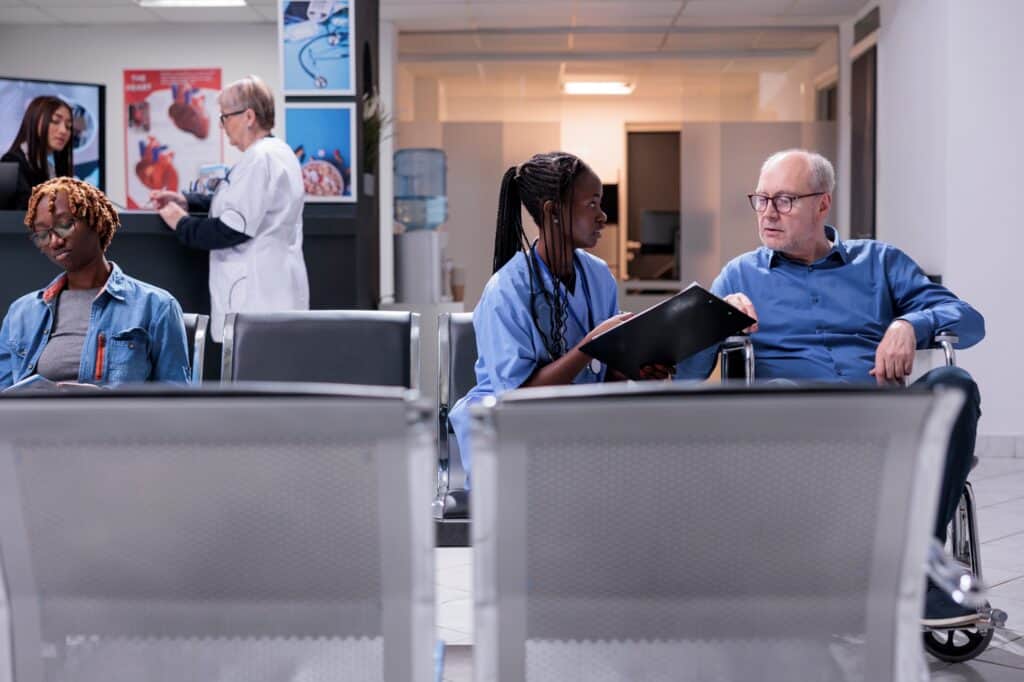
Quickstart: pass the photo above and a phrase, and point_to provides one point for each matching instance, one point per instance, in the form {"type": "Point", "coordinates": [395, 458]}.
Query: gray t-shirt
{"type": "Point", "coordinates": [62, 355]}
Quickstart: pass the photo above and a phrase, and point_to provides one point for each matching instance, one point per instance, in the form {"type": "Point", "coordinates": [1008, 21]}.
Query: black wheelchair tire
{"type": "Point", "coordinates": [943, 644]}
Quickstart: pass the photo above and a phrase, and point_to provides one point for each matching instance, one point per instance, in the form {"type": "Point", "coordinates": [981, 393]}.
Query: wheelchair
{"type": "Point", "coordinates": [963, 546]}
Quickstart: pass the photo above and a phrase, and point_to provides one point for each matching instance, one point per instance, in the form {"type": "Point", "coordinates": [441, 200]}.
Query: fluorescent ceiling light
{"type": "Point", "coordinates": [597, 88]}
{"type": "Point", "coordinates": [191, 3]}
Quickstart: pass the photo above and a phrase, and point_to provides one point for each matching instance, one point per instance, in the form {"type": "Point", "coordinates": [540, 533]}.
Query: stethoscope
{"type": "Point", "coordinates": [334, 40]}
{"type": "Point", "coordinates": [594, 366]}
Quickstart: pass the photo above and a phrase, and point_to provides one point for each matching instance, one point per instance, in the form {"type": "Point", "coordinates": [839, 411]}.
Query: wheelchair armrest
{"type": "Point", "coordinates": [946, 341]}
{"type": "Point", "coordinates": [738, 342]}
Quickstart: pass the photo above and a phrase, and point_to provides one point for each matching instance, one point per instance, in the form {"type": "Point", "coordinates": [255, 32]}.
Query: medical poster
{"type": "Point", "coordinates": [317, 39]}
{"type": "Point", "coordinates": [323, 137]}
{"type": "Point", "coordinates": [171, 129]}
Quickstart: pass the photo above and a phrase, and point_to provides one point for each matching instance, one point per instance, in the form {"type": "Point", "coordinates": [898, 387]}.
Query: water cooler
{"type": "Point", "coordinates": [421, 205]}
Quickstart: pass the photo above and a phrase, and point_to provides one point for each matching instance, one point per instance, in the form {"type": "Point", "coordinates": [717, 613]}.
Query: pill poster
{"type": "Point", "coordinates": [170, 130]}
{"type": "Point", "coordinates": [323, 137]}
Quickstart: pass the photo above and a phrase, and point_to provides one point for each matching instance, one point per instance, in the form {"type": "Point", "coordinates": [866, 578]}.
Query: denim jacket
{"type": "Point", "coordinates": [136, 333]}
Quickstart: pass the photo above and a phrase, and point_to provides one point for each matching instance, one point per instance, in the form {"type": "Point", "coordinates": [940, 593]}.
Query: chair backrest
{"type": "Point", "coordinates": [456, 344]}
{"type": "Point", "coordinates": [664, 533]}
{"type": "Point", "coordinates": [196, 328]}
{"type": "Point", "coordinates": [216, 534]}
{"type": "Point", "coordinates": [372, 347]}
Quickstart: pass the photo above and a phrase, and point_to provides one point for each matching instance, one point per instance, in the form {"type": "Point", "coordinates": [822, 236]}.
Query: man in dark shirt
{"type": "Point", "coordinates": [852, 311]}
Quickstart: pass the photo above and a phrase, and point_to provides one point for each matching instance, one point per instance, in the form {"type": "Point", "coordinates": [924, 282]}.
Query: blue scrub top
{"type": "Point", "coordinates": [509, 346]}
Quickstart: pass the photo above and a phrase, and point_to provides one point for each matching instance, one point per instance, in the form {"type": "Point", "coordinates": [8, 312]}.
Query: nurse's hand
{"type": "Point", "coordinates": [159, 198]}
{"type": "Point", "coordinates": [172, 213]}
{"type": "Point", "coordinates": [610, 323]}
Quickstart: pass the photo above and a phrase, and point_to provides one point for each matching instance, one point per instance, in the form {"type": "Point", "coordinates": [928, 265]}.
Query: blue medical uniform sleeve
{"type": "Point", "coordinates": [504, 336]}
{"type": "Point", "coordinates": [931, 308]}
{"type": "Point", "coordinates": [170, 345]}
{"type": "Point", "coordinates": [699, 365]}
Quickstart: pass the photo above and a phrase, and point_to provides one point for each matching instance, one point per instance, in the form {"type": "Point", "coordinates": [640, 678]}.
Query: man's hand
{"type": "Point", "coordinates": [172, 213]}
{"type": "Point", "coordinates": [894, 358]}
{"type": "Point", "coordinates": [743, 303]}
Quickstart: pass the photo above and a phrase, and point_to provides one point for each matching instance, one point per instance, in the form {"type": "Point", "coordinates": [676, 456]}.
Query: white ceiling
{"type": "Point", "coordinates": [519, 47]}
{"type": "Point", "coordinates": [461, 15]}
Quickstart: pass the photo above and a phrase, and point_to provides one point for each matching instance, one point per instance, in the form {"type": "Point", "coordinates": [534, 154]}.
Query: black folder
{"type": "Point", "coordinates": [667, 332]}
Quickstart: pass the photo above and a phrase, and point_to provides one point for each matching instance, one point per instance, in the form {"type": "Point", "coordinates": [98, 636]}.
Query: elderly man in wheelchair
{"type": "Point", "coordinates": [856, 311]}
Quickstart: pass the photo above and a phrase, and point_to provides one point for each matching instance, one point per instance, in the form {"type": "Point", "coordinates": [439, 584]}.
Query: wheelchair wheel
{"type": "Point", "coordinates": [957, 645]}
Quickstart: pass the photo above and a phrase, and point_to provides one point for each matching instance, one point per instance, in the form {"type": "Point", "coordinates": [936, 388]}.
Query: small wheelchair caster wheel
{"type": "Point", "coordinates": [320, 82]}
{"type": "Point", "coordinates": [957, 645]}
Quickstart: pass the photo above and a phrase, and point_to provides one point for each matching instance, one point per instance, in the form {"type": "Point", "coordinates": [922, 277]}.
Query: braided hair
{"type": "Point", "coordinates": [84, 201]}
{"type": "Point", "coordinates": [542, 178]}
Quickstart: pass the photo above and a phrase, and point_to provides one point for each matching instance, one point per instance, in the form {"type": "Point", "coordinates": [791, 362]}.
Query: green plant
{"type": "Point", "coordinates": [376, 128]}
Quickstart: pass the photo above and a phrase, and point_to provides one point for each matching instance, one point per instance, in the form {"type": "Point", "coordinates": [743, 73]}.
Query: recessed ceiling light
{"type": "Point", "coordinates": [190, 3]}
{"type": "Point", "coordinates": [597, 88]}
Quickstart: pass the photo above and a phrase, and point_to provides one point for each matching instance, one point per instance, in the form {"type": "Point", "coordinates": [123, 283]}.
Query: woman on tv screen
{"type": "Point", "coordinates": [42, 149]}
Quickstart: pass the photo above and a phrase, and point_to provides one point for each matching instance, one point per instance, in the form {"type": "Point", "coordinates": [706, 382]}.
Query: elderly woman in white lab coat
{"type": "Point", "coordinates": [254, 225]}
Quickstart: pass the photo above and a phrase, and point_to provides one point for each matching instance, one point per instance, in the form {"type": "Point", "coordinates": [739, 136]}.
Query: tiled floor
{"type": "Point", "coordinates": [999, 489]}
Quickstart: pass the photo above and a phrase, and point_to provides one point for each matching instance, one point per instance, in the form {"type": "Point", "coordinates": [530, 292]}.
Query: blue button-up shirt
{"type": "Point", "coordinates": [824, 321]}
{"type": "Point", "coordinates": [136, 333]}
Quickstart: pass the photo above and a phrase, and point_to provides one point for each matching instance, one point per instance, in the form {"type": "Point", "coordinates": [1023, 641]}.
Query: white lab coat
{"type": "Point", "coordinates": [262, 197]}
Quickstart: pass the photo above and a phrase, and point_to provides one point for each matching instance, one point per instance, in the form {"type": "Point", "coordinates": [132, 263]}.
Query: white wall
{"type": "Point", "coordinates": [950, 170]}
{"type": "Point", "coordinates": [720, 163]}
{"type": "Point", "coordinates": [99, 54]}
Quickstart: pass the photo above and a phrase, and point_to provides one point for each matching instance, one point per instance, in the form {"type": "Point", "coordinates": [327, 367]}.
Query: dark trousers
{"type": "Point", "coordinates": [961, 442]}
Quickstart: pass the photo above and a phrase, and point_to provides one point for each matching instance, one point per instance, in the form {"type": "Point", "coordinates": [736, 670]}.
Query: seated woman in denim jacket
{"type": "Point", "coordinates": [93, 324]}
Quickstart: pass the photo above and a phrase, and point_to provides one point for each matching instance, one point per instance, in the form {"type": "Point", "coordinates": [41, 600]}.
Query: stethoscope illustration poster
{"type": "Point", "coordinates": [316, 47]}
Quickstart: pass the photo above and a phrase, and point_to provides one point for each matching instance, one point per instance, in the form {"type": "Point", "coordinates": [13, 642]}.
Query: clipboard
{"type": "Point", "coordinates": [668, 332]}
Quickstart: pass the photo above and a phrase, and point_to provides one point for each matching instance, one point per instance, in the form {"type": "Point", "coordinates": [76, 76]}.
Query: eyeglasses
{"type": "Point", "coordinates": [224, 117]}
{"type": "Point", "coordinates": [62, 230]}
{"type": "Point", "coordinates": [783, 202]}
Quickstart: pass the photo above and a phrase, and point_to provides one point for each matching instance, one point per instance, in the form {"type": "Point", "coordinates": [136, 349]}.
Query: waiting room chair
{"type": "Point", "coordinates": [216, 534]}
{"type": "Point", "coordinates": [456, 344]}
{"type": "Point", "coordinates": [196, 328]}
{"type": "Point", "coordinates": [953, 645]}
{"type": "Point", "coordinates": [370, 347]}
{"type": "Point", "coordinates": [666, 532]}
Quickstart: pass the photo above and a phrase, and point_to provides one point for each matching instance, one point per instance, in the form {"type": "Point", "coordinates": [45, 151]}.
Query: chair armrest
{"type": "Point", "coordinates": [946, 341]}
{"type": "Point", "coordinates": [739, 342]}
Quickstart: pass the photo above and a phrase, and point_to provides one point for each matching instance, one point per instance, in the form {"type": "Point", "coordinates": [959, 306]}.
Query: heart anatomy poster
{"type": "Point", "coordinates": [171, 129]}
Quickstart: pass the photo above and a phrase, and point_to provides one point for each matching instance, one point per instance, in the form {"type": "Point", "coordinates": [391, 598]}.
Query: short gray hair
{"type": "Point", "coordinates": [823, 175]}
{"type": "Point", "coordinates": [252, 93]}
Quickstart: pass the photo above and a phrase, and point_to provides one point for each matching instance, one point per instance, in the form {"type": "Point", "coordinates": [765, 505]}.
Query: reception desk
{"type": "Point", "coordinates": [340, 259]}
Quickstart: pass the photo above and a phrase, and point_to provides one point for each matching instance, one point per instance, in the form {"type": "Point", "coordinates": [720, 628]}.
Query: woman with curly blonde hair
{"type": "Point", "coordinates": [93, 324]}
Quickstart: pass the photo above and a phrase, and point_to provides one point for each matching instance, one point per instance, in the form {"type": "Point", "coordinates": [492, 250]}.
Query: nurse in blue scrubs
{"type": "Point", "coordinates": [548, 298]}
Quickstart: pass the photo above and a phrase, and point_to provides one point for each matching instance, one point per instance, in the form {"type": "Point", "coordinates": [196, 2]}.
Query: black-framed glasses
{"type": "Point", "coordinates": [224, 117]}
{"type": "Point", "coordinates": [783, 202]}
{"type": "Point", "coordinates": [62, 230]}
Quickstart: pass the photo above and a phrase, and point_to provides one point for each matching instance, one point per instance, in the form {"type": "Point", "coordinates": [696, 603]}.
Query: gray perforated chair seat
{"type": "Point", "coordinates": [217, 535]}
{"type": "Point", "coordinates": [670, 533]}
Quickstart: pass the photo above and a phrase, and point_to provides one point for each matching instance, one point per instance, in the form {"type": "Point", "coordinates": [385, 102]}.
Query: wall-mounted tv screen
{"type": "Point", "coordinates": [87, 102]}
